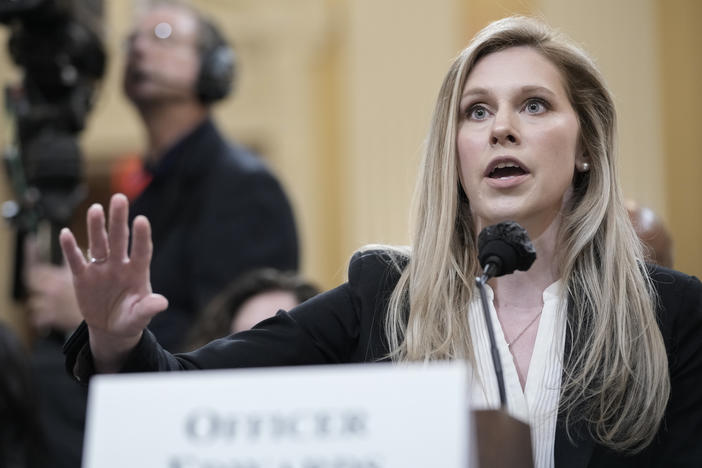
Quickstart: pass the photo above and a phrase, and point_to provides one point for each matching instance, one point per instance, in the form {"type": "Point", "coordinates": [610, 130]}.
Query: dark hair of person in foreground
{"type": "Point", "coordinates": [216, 320]}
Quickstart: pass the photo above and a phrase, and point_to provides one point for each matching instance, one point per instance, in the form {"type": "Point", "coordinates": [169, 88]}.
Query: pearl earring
{"type": "Point", "coordinates": [584, 167]}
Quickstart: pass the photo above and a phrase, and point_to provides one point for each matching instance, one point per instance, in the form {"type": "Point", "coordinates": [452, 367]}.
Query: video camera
{"type": "Point", "coordinates": [58, 45]}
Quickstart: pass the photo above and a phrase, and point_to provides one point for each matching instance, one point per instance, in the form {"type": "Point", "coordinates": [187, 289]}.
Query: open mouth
{"type": "Point", "coordinates": [506, 169]}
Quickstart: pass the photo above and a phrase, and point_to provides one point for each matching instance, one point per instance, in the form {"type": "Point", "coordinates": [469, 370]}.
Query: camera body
{"type": "Point", "coordinates": [58, 45]}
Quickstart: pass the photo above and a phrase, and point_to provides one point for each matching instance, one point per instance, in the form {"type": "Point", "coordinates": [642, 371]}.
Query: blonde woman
{"type": "Point", "coordinates": [602, 354]}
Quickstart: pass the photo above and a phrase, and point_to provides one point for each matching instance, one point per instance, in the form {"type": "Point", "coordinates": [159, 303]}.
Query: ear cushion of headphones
{"type": "Point", "coordinates": [216, 77]}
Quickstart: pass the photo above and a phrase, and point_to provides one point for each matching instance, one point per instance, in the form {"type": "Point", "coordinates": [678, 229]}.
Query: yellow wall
{"type": "Point", "coordinates": [625, 42]}
{"type": "Point", "coordinates": [337, 94]}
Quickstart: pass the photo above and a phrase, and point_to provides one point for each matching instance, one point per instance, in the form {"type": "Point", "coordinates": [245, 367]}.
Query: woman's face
{"type": "Point", "coordinates": [517, 140]}
{"type": "Point", "coordinates": [260, 307]}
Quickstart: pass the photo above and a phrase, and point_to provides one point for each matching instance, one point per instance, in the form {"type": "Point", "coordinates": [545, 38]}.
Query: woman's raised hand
{"type": "Point", "coordinates": [112, 287]}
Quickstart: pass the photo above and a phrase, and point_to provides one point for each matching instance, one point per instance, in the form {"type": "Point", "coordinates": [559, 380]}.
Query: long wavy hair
{"type": "Point", "coordinates": [615, 371]}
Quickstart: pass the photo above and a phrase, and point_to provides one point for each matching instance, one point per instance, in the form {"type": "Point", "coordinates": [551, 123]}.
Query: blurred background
{"type": "Point", "coordinates": [336, 96]}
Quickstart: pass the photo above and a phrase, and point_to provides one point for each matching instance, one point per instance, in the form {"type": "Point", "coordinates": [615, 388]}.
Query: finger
{"type": "Point", "coordinates": [142, 247]}
{"type": "Point", "coordinates": [118, 234]}
{"type": "Point", "coordinates": [71, 252]}
{"type": "Point", "coordinates": [97, 236]}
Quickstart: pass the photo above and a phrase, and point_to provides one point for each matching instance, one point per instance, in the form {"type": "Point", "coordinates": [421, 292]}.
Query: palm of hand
{"type": "Point", "coordinates": [110, 296]}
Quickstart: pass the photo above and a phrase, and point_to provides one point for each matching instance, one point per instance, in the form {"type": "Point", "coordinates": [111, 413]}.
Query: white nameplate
{"type": "Point", "coordinates": [343, 416]}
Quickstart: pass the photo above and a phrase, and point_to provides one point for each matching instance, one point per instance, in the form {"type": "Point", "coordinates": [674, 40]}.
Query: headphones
{"type": "Point", "coordinates": [217, 65]}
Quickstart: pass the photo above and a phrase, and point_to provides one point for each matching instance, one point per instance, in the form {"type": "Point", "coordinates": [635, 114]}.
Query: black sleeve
{"type": "Point", "coordinates": [329, 328]}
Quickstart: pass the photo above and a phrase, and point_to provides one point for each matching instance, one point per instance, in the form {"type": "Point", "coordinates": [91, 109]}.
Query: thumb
{"type": "Point", "coordinates": [150, 305]}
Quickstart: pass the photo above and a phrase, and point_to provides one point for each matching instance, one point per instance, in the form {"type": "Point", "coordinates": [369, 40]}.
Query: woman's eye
{"type": "Point", "coordinates": [477, 112]}
{"type": "Point", "coordinates": [535, 106]}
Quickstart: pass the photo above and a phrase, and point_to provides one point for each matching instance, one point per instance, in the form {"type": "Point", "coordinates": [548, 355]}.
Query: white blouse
{"type": "Point", "coordinates": [537, 405]}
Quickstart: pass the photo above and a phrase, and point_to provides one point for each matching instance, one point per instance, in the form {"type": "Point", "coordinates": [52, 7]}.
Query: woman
{"type": "Point", "coordinates": [523, 130]}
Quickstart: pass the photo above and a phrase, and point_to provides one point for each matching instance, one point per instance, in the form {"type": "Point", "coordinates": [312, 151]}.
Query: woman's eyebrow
{"type": "Point", "coordinates": [475, 92]}
{"type": "Point", "coordinates": [526, 89]}
{"type": "Point", "coordinates": [537, 88]}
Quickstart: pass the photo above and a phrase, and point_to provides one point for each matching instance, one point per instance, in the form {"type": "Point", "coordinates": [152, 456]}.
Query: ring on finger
{"type": "Point", "coordinates": [92, 259]}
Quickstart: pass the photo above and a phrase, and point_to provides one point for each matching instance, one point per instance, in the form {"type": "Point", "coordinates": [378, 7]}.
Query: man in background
{"type": "Point", "coordinates": [216, 210]}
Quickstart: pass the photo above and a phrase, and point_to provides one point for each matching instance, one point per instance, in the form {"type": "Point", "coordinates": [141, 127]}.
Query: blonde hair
{"type": "Point", "coordinates": [615, 375]}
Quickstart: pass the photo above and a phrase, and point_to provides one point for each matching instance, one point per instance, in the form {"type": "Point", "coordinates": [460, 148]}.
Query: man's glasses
{"type": "Point", "coordinates": [161, 34]}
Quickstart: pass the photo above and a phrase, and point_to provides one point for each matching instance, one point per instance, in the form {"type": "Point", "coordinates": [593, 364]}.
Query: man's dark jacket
{"type": "Point", "coordinates": [216, 212]}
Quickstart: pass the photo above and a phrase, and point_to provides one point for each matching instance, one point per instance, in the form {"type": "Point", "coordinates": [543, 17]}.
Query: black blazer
{"type": "Point", "coordinates": [345, 325]}
{"type": "Point", "coordinates": [216, 212]}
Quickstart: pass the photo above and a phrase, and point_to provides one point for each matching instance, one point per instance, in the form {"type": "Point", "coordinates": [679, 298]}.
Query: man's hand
{"type": "Point", "coordinates": [51, 301]}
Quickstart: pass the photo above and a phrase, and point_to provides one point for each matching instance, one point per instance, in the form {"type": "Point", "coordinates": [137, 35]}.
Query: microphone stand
{"type": "Point", "coordinates": [496, 429]}
{"type": "Point", "coordinates": [480, 281]}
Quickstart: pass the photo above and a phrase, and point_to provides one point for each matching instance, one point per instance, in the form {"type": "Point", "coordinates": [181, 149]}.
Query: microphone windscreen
{"type": "Point", "coordinates": [509, 243]}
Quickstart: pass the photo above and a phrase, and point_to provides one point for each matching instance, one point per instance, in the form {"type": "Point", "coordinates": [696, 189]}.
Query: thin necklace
{"type": "Point", "coordinates": [509, 345]}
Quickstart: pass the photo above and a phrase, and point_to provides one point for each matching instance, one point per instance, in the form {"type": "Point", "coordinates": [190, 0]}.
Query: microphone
{"type": "Point", "coordinates": [502, 248]}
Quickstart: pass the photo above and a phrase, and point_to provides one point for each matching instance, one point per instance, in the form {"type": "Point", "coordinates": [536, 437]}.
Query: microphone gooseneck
{"type": "Point", "coordinates": [502, 249]}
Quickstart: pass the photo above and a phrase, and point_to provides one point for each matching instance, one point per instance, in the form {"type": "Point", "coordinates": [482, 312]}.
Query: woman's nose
{"type": "Point", "coordinates": [504, 129]}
